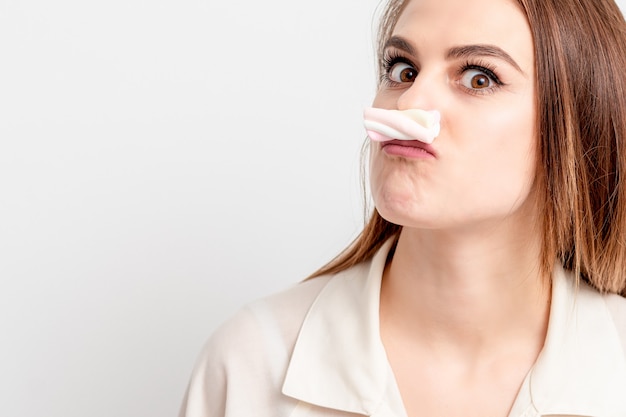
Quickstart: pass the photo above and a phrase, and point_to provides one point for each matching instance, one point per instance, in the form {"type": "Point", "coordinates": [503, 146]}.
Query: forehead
{"type": "Point", "coordinates": [438, 24]}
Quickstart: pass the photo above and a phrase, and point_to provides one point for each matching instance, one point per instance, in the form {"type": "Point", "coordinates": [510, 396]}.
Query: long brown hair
{"type": "Point", "coordinates": [580, 62]}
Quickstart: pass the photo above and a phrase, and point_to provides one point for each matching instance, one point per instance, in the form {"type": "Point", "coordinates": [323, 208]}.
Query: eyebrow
{"type": "Point", "coordinates": [399, 43]}
{"type": "Point", "coordinates": [457, 52]}
{"type": "Point", "coordinates": [481, 50]}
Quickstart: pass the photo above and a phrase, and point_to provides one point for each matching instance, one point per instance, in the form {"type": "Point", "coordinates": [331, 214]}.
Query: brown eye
{"type": "Point", "coordinates": [476, 80]}
{"type": "Point", "coordinates": [480, 81]}
{"type": "Point", "coordinates": [402, 73]}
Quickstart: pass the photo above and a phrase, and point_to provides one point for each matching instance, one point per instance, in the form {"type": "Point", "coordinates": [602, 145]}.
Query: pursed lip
{"type": "Point", "coordinates": [411, 144]}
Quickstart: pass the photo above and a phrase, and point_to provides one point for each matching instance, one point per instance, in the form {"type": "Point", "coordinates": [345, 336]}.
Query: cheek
{"type": "Point", "coordinates": [404, 191]}
{"type": "Point", "coordinates": [384, 98]}
{"type": "Point", "coordinates": [503, 148]}
{"type": "Point", "coordinates": [390, 181]}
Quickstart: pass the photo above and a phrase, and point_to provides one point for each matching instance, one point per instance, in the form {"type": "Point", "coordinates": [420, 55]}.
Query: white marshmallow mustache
{"type": "Point", "coordinates": [414, 124]}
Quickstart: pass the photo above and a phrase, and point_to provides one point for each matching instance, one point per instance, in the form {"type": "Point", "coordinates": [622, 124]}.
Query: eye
{"type": "Point", "coordinates": [476, 79]}
{"type": "Point", "coordinates": [401, 72]}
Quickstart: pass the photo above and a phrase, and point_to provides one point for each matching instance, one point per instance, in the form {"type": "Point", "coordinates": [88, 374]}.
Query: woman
{"type": "Point", "coordinates": [487, 281]}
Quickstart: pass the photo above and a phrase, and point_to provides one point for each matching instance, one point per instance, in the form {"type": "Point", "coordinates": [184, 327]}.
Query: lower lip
{"type": "Point", "coordinates": [412, 152]}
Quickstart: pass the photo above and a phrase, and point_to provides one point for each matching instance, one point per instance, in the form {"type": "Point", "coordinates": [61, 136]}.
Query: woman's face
{"type": "Point", "coordinates": [472, 60]}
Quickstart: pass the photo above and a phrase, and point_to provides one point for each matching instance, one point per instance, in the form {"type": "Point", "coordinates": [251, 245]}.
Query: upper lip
{"type": "Point", "coordinates": [411, 143]}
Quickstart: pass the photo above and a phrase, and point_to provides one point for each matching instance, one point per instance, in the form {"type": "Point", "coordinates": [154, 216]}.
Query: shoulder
{"type": "Point", "coordinates": [617, 310]}
{"type": "Point", "coordinates": [609, 308]}
{"type": "Point", "coordinates": [274, 318]}
{"type": "Point", "coordinates": [595, 317]}
{"type": "Point", "coordinates": [241, 368]}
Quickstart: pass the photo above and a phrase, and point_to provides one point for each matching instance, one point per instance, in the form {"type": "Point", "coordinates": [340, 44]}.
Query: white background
{"type": "Point", "coordinates": [162, 163]}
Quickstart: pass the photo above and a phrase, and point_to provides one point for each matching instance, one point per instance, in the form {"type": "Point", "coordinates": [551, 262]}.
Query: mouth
{"type": "Point", "coordinates": [408, 148]}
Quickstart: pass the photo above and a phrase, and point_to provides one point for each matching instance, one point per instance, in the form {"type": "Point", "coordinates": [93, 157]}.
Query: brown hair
{"type": "Point", "coordinates": [580, 62]}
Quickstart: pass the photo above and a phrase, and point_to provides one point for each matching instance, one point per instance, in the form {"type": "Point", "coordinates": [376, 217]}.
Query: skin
{"type": "Point", "coordinates": [463, 309]}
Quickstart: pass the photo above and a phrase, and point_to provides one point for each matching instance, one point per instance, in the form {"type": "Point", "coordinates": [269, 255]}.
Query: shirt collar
{"type": "Point", "coordinates": [339, 361]}
{"type": "Point", "coordinates": [582, 367]}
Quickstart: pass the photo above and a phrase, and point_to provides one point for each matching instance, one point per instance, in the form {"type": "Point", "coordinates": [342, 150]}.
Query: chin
{"type": "Point", "coordinates": [413, 218]}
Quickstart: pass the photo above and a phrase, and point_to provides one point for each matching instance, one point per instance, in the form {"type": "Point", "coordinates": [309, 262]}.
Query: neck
{"type": "Point", "coordinates": [469, 293]}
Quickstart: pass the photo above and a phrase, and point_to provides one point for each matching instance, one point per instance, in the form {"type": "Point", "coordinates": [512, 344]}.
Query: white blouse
{"type": "Point", "coordinates": [315, 350]}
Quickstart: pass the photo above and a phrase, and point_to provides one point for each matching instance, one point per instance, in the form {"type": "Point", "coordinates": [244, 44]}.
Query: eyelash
{"type": "Point", "coordinates": [485, 68]}
{"type": "Point", "coordinates": [389, 60]}
{"type": "Point", "coordinates": [392, 58]}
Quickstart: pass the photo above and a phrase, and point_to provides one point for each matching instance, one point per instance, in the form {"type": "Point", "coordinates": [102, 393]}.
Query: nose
{"type": "Point", "coordinates": [422, 94]}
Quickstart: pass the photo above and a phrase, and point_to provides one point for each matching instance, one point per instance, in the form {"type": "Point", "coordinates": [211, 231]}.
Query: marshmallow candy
{"type": "Point", "coordinates": [414, 124]}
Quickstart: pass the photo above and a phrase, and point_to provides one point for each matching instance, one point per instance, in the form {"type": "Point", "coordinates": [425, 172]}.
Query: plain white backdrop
{"type": "Point", "coordinates": [161, 164]}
